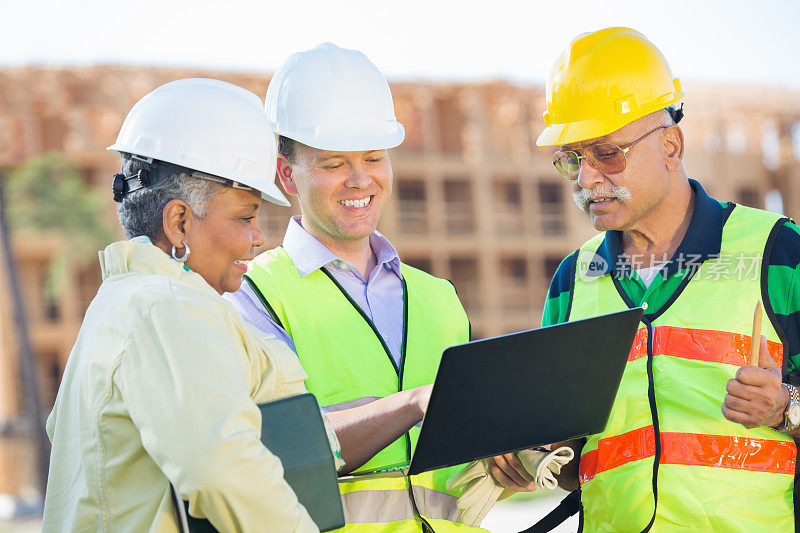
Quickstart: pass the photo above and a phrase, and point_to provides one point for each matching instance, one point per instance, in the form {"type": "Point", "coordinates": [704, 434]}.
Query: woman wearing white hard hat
{"type": "Point", "coordinates": [162, 385]}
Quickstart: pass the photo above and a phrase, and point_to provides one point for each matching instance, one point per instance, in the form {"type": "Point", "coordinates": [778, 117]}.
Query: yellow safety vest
{"type": "Point", "coordinates": [348, 364]}
{"type": "Point", "coordinates": [668, 459]}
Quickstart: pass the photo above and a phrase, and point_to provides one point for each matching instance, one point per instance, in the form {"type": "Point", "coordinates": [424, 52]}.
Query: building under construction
{"type": "Point", "coordinates": [474, 199]}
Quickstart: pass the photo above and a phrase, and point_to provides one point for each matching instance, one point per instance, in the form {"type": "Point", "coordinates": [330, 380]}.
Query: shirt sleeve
{"type": "Point", "coordinates": [253, 311]}
{"type": "Point", "coordinates": [783, 286]}
{"type": "Point", "coordinates": [559, 295]}
{"type": "Point", "coordinates": [186, 380]}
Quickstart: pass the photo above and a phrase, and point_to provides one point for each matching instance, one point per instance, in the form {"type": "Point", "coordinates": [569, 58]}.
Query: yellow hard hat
{"type": "Point", "coordinates": [602, 81]}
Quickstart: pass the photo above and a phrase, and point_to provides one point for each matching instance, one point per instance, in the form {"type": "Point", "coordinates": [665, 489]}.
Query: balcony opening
{"type": "Point", "coordinates": [459, 215]}
{"type": "Point", "coordinates": [412, 198]}
{"type": "Point", "coordinates": [508, 206]}
{"type": "Point", "coordinates": [464, 275]}
{"type": "Point", "coordinates": [551, 208]}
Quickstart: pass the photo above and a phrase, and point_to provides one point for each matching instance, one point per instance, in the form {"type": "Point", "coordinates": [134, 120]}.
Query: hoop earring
{"type": "Point", "coordinates": [185, 256]}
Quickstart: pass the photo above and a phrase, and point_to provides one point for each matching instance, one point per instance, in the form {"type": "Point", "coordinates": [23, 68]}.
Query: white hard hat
{"type": "Point", "coordinates": [205, 125]}
{"type": "Point", "coordinates": [333, 99]}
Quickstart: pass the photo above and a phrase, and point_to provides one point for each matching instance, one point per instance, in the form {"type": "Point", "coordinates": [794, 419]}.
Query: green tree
{"type": "Point", "coordinates": [49, 195]}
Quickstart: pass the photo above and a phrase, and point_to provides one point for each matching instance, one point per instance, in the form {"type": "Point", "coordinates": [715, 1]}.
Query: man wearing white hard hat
{"type": "Point", "coordinates": [368, 329]}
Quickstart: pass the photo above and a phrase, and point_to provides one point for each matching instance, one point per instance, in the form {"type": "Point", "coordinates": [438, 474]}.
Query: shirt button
{"type": "Point", "coordinates": [644, 306]}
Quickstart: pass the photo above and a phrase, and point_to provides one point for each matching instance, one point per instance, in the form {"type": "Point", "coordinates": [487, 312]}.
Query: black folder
{"type": "Point", "coordinates": [293, 430]}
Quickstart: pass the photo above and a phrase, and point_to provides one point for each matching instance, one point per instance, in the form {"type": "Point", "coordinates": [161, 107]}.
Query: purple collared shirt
{"type": "Point", "coordinates": [380, 296]}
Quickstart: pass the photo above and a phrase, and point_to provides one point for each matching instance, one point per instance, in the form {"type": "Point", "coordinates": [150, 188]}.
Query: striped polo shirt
{"type": "Point", "coordinates": [702, 242]}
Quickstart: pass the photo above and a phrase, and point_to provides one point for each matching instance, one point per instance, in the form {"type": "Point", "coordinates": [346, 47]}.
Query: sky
{"type": "Point", "coordinates": [729, 41]}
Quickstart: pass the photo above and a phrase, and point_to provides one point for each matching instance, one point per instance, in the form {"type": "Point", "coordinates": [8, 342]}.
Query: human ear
{"type": "Point", "coordinates": [285, 174]}
{"type": "Point", "coordinates": [176, 218]}
{"type": "Point", "coordinates": [673, 148]}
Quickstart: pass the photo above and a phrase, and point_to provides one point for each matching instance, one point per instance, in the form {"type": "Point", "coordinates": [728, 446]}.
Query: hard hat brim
{"type": "Point", "coordinates": [274, 195]}
{"type": "Point", "coordinates": [357, 142]}
{"type": "Point", "coordinates": [583, 130]}
{"type": "Point", "coordinates": [560, 134]}
{"type": "Point", "coordinates": [269, 192]}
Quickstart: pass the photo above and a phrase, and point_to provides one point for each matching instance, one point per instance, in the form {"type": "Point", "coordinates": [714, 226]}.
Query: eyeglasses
{"type": "Point", "coordinates": [606, 158]}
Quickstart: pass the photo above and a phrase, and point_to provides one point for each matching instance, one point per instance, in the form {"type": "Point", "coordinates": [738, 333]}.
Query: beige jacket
{"type": "Point", "coordinates": [162, 386]}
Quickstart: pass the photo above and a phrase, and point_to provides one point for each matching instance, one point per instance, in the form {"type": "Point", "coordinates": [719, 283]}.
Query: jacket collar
{"type": "Point", "coordinates": [140, 256]}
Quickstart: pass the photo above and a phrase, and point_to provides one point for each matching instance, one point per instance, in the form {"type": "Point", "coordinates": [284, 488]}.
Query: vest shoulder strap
{"type": "Point", "coordinates": [267, 267]}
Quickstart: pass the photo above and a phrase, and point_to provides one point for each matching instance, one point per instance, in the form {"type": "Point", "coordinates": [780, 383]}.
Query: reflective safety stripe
{"type": "Point", "coordinates": [376, 506]}
{"type": "Point", "coordinates": [695, 449]}
{"type": "Point", "coordinates": [358, 402]}
{"type": "Point", "coordinates": [381, 506]}
{"type": "Point", "coordinates": [701, 345]}
{"type": "Point", "coordinates": [434, 504]}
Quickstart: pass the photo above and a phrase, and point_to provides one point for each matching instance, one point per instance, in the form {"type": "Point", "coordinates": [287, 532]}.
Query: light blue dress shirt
{"type": "Point", "coordinates": [380, 296]}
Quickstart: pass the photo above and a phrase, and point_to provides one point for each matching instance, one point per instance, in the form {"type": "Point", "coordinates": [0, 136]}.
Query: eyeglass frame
{"type": "Point", "coordinates": [622, 148]}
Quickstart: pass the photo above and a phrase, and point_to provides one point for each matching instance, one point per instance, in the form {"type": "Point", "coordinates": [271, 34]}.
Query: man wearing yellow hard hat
{"type": "Point", "coordinates": [697, 438]}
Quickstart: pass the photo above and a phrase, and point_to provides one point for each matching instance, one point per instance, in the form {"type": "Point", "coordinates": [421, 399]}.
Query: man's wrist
{"type": "Point", "coordinates": [790, 407]}
{"type": "Point", "coordinates": [779, 418]}
{"type": "Point", "coordinates": [414, 401]}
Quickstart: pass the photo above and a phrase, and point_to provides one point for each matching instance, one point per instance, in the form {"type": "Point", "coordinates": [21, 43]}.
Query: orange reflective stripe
{"type": "Point", "coordinates": [744, 453]}
{"type": "Point", "coordinates": [722, 451]}
{"type": "Point", "coordinates": [700, 344]}
{"type": "Point", "coordinates": [587, 466]}
{"type": "Point", "coordinates": [615, 451]}
{"type": "Point", "coordinates": [639, 347]}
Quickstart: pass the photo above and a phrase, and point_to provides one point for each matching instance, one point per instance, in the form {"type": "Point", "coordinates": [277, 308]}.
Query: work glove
{"type": "Point", "coordinates": [544, 466]}
{"type": "Point", "coordinates": [480, 490]}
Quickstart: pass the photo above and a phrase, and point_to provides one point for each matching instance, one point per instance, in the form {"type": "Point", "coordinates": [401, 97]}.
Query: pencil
{"type": "Point", "coordinates": [755, 339]}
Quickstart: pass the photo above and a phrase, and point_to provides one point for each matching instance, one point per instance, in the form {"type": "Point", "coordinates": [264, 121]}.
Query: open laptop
{"type": "Point", "coordinates": [522, 390]}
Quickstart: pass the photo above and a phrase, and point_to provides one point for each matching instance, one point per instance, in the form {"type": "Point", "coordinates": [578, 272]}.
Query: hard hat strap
{"type": "Point", "coordinates": [123, 185]}
{"type": "Point", "coordinates": [155, 171]}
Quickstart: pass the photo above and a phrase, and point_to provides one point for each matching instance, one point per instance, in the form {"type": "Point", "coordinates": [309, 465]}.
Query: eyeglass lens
{"type": "Point", "coordinates": [605, 157]}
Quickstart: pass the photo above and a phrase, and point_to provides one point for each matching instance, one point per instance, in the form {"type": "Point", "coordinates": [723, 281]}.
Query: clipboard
{"type": "Point", "coordinates": [292, 429]}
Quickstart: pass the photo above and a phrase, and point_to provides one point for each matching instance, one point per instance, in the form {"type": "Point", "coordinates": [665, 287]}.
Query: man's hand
{"type": "Point", "coordinates": [508, 470]}
{"type": "Point", "coordinates": [755, 396]}
{"type": "Point", "coordinates": [365, 430]}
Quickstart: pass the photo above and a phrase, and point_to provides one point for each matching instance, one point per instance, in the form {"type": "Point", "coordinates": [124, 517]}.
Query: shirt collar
{"type": "Point", "coordinates": [308, 254]}
{"type": "Point", "coordinates": [703, 239]}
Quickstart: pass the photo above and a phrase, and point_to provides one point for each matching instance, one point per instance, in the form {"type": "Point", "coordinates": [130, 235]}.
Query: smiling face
{"type": "Point", "coordinates": [623, 200]}
{"type": "Point", "coordinates": [341, 194]}
{"type": "Point", "coordinates": [224, 240]}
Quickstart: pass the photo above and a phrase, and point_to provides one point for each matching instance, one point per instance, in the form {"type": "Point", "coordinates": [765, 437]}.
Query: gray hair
{"type": "Point", "coordinates": [669, 116]}
{"type": "Point", "coordinates": [141, 212]}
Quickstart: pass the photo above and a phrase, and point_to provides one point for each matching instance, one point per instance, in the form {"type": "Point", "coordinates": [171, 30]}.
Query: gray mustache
{"type": "Point", "coordinates": [584, 196]}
